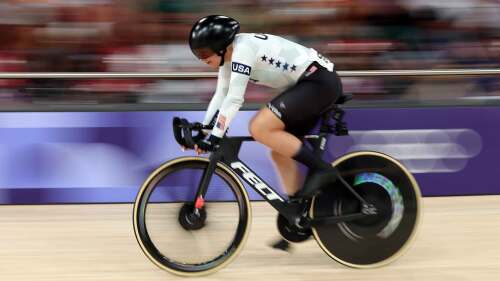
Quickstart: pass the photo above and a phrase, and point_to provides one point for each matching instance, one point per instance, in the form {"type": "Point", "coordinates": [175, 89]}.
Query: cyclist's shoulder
{"type": "Point", "coordinates": [255, 37]}
{"type": "Point", "coordinates": [244, 39]}
{"type": "Point", "coordinates": [265, 41]}
{"type": "Point", "coordinates": [244, 45]}
{"type": "Point", "coordinates": [252, 42]}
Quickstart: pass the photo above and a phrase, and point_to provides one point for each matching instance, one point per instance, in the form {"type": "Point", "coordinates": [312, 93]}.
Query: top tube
{"type": "Point", "coordinates": [241, 138]}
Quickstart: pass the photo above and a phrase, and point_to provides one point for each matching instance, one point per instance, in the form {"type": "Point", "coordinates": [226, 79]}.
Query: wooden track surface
{"type": "Point", "coordinates": [459, 239]}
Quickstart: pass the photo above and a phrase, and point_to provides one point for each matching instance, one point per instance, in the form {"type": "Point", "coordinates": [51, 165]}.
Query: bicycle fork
{"type": "Point", "coordinates": [205, 180]}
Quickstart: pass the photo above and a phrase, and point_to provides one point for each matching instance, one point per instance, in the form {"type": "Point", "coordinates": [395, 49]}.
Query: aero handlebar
{"type": "Point", "coordinates": [183, 131]}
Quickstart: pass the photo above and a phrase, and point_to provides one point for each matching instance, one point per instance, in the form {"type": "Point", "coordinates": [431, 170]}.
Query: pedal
{"type": "Point", "coordinates": [281, 244]}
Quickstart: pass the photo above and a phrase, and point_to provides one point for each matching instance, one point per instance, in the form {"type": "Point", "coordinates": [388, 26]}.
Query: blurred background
{"type": "Point", "coordinates": [151, 36]}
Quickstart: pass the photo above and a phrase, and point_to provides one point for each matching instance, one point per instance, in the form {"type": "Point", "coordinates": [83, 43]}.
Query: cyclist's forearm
{"type": "Point", "coordinates": [220, 94]}
{"type": "Point", "coordinates": [229, 108]}
{"type": "Point", "coordinates": [213, 106]}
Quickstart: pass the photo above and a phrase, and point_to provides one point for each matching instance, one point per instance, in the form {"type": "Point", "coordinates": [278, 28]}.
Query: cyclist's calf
{"type": "Point", "coordinates": [288, 172]}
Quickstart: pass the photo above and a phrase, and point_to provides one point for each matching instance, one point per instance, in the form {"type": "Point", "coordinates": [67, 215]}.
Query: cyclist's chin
{"type": "Point", "coordinates": [214, 65]}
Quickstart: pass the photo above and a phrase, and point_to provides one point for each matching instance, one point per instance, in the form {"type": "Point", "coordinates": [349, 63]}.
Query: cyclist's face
{"type": "Point", "coordinates": [213, 61]}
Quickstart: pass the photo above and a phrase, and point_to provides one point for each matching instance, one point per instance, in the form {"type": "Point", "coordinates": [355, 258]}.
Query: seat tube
{"type": "Point", "coordinates": [319, 144]}
{"type": "Point", "coordinates": [321, 141]}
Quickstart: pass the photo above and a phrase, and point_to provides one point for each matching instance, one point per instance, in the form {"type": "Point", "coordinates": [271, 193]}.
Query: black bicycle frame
{"type": "Point", "coordinates": [228, 154]}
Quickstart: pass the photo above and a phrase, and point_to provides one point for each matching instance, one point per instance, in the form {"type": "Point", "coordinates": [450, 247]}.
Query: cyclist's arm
{"type": "Point", "coordinates": [241, 68]}
{"type": "Point", "coordinates": [220, 93]}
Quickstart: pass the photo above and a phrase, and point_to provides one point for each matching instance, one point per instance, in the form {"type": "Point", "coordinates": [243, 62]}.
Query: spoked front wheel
{"type": "Point", "coordinates": [373, 240]}
{"type": "Point", "coordinates": [180, 238]}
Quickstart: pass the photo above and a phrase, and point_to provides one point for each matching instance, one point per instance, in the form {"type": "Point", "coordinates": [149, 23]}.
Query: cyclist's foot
{"type": "Point", "coordinates": [282, 244]}
{"type": "Point", "coordinates": [294, 199]}
{"type": "Point", "coordinates": [316, 181]}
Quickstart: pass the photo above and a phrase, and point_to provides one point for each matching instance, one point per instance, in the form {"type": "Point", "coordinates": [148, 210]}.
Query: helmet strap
{"type": "Point", "coordinates": [222, 54]}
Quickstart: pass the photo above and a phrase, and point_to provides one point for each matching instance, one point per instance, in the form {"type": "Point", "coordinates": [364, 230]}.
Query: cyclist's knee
{"type": "Point", "coordinates": [258, 127]}
{"type": "Point", "coordinates": [263, 123]}
{"type": "Point", "coordinates": [278, 157]}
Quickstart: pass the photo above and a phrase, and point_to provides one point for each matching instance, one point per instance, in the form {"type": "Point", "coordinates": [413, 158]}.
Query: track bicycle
{"type": "Point", "coordinates": [192, 215]}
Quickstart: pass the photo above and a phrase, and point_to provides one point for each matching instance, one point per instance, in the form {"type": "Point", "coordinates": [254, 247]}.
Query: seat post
{"type": "Point", "coordinates": [319, 141]}
{"type": "Point", "coordinates": [335, 112]}
{"type": "Point", "coordinates": [326, 127]}
{"type": "Point", "coordinates": [340, 128]}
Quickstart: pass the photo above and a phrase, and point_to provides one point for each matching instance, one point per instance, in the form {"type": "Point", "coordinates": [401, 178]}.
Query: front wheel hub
{"type": "Point", "coordinates": [191, 218]}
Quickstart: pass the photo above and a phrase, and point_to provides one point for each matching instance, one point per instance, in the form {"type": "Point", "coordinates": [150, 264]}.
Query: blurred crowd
{"type": "Point", "coordinates": [151, 36]}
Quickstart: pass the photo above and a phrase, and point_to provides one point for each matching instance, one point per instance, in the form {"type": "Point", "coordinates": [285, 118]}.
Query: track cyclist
{"type": "Point", "coordinates": [307, 81]}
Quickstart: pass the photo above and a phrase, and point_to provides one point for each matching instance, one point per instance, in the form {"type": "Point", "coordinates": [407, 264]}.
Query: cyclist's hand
{"type": "Point", "coordinates": [205, 145]}
{"type": "Point", "coordinates": [201, 135]}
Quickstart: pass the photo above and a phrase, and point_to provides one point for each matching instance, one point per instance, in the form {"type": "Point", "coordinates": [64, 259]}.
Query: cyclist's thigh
{"type": "Point", "coordinates": [265, 118]}
{"type": "Point", "coordinates": [299, 107]}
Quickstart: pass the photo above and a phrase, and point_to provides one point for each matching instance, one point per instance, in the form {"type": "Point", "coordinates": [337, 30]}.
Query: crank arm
{"type": "Point", "coordinates": [336, 219]}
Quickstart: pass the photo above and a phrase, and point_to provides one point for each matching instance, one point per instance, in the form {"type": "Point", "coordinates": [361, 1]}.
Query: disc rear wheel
{"type": "Point", "coordinates": [377, 239]}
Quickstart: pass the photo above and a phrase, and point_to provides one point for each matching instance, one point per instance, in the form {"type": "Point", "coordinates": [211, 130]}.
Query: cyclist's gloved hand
{"type": "Point", "coordinates": [209, 144]}
{"type": "Point", "coordinates": [200, 136]}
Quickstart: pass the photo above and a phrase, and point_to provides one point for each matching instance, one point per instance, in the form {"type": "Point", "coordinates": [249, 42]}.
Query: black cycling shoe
{"type": "Point", "coordinates": [317, 180]}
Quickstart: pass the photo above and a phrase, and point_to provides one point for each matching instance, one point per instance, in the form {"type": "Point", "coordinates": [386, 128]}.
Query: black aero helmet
{"type": "Point", "coordinates": [211, 35]}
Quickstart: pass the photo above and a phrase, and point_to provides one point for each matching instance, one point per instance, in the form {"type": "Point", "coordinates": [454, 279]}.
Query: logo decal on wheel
{"type": "Point", "coordinates": [394, 194]}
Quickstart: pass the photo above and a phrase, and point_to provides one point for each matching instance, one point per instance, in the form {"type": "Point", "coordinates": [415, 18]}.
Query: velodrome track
{"type": "Point", "coordinates": [459, 239]}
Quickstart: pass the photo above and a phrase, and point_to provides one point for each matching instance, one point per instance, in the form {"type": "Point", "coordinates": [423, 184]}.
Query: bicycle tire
{"type": "Point", "coordinates": [355, 250]}
{"type": "Point", "coordinates": [150, 250]}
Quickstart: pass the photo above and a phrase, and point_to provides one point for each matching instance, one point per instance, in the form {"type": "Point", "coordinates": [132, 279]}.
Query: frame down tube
{"type": "Point", "coordinates": [230, 150]}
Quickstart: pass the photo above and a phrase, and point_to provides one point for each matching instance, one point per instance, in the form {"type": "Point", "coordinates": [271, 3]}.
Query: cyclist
{"type": "Point", "coordinates": [308, 82]}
